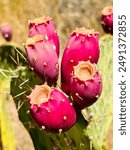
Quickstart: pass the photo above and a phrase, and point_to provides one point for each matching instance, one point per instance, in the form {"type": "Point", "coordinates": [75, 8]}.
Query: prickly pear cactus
{"type": "Point", "coordinates": [21, 80]}
{"type": "Point", "coordinates": [90, 131]}
{"type": "Point", "coordinates": [21, 86]}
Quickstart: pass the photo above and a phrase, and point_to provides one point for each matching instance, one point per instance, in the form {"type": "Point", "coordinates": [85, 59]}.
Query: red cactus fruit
{"type": "Point", "coordinates": [45, 26]}
{"type": "Point", "coordinates": [82, 46]}
{"type": "Point", "coordinates": [51, 109]}
{"type": "Point", "coordinates": [42, 58]}
{"type": "Point", "coordinates": [86, 84]}
{"type": "Point", "coordinates": [6, 31]}
{"type": "Point", "coordinates": [107, 19]}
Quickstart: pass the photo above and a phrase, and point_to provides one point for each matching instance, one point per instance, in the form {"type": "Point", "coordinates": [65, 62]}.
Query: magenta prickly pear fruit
{"type": "Point", "coordinates": [6, 31]}
{"type": "Point", "coordinates": [45, 26]}
{"type": "Point", "coordinates": [51, 109]}
{"type": "Point", "coordinates": [107, 19]}
{"type": "Point", "coordinates": [82, 45]}
{"type": "Point", "coordinates": [86, 84]}
{"type": "Point", "coordinates": [42, 58]}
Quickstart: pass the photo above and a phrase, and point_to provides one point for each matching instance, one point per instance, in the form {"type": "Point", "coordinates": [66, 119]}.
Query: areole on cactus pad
{"type": "Point", "coordinates": [42, 58]}
{"type": "Point", "coordinates": [86, 84]}
{"type": "Point", "coordinates": [82, 45]}
{"type": "Point", "coordinates": [51, 109]}
{"type": "Point", "coordinates": [45, 26]}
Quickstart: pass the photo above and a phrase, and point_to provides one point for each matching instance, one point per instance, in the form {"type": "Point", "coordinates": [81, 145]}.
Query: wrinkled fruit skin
{"type": "Point", "coordinates": [80, 47]}
{"type": "Point", "coordinates": [107, 22]}
{"type": "Point", "coordinates": [85, 93]}
{"type": "Point", "coordinates": [44, 60]}
{"type": "Point", "coordinates": [45, 26]}
{"type": "Point", "coordinates": [55, 115]}
{"type": "Point", "coordinates": [6, 32]}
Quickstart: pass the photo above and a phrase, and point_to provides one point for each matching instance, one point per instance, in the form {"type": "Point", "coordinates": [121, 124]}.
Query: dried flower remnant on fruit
{"type": "Point", "coordinates": [84, 71]}
{"type": "Point", "coordinates": [41, 94]}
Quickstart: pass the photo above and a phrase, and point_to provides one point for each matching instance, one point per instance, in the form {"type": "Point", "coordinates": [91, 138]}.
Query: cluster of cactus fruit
{"type": "Point", "coordinates": [50, 107]}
